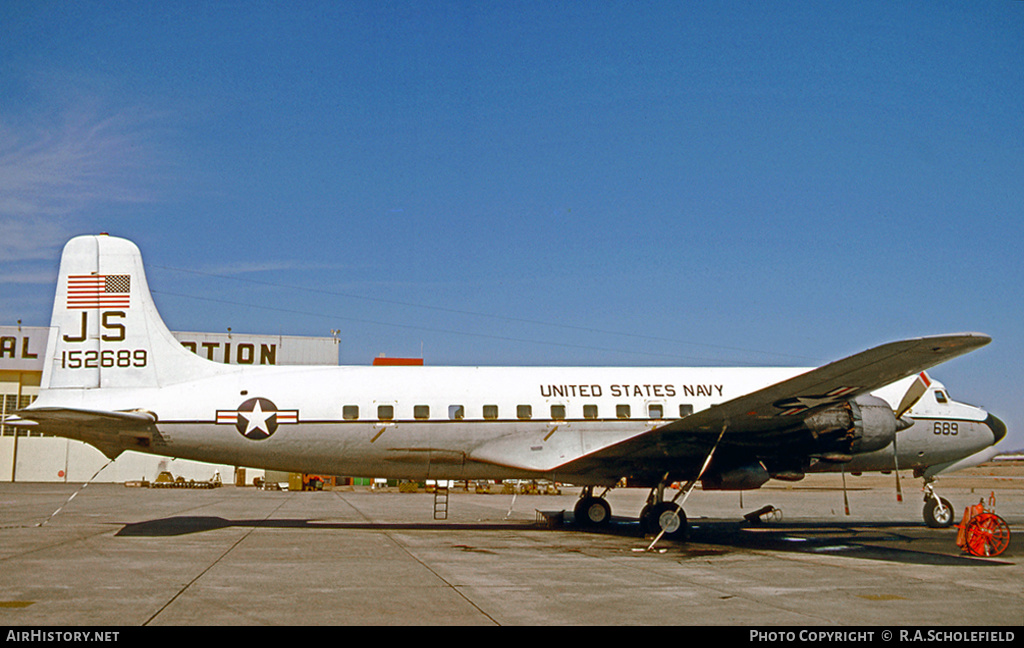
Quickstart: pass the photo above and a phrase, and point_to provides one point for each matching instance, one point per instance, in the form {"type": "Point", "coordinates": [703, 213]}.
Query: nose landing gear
{"type": "Point", "coordinates": [938, 512]}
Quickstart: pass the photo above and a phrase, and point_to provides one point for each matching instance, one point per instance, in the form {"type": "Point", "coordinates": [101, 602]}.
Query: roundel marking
{"type": "Point", "coordinates": [257, 418]}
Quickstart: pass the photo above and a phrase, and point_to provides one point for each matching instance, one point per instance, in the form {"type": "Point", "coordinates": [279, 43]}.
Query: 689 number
{"type": "Point", "coordinates": [946, 428]}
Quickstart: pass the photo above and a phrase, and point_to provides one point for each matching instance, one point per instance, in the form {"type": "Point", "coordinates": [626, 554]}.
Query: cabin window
{"type": "Point", "coordinates": [421, 411]}
{"type": "Point", "coordinates": [685, 410]}
{"type": "Point", "coordinates": [524, 411]}
{"type": "Point", "coordinates": [622, 411]}
{"type": "Point", "coordinates": [386, 412]}
{"type": "Point", "coordinates": [350, 412]}
{"type": "Point", "coordinates": [558, 412]}
{"type": "Point", "coordinates": [590, 411]}
{"type": "Point", "coordinates": [655, 411]}
{"type": "Point", "coordinates": [456, 412]}
{"type": "Point", "coordinates": [941, 397]}
{"type": "Point", "coordinates": [490, 412]}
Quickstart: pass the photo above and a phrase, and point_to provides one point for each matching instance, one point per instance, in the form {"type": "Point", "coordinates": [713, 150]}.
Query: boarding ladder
{"type": "Point", "coordinates": [441, 500]}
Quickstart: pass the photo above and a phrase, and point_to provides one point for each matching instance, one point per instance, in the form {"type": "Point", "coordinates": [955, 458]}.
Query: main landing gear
{"type": "Point", "coordinates": [661, 517]}
{"type": "Point", "coordinates": [657, 516]}
{"type": "Point", "coordinates": [592, 511]}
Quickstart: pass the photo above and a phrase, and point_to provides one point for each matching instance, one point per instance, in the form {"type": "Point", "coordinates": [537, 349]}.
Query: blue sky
{"type": "Point", "coordinates": [594, 183]}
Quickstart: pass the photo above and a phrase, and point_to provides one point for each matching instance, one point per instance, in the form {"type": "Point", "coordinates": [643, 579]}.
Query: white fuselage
{"type": "Point", "coordinates": [465, 422]}
{"type": "Point", "coordinates": [117, 378]}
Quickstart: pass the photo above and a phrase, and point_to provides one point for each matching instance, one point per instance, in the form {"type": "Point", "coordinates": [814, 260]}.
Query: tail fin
{"type": "Point", "coordinates": [105, 330]}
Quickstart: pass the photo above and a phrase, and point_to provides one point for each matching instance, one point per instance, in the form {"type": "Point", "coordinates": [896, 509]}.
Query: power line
{"type": "Point", "coordinates": [463, 312]}
{"type": "Point", "coordinates": [417, 327]}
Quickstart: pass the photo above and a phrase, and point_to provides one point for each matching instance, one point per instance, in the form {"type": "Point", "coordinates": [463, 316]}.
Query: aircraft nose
{"type": "Point", "coordinates": [997, 426]}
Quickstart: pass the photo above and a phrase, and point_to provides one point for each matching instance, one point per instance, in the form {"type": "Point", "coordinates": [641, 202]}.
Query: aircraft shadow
{"type": "Point", "coordinates": [870, 541]}
{"type": "Point", "coordinates": [185, 525]}
{"type": "Point", "coordinates": [886, 541]}
{"type": "Point", "coordinates": [865, 540]}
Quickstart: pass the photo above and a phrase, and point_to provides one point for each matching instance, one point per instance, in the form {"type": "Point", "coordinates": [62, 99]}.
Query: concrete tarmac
{"type": "Point", "coordinates": [117, 556]}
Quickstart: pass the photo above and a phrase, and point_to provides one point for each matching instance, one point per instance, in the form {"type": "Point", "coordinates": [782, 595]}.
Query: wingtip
{"type": "Point", "coordinates": [970, 338]}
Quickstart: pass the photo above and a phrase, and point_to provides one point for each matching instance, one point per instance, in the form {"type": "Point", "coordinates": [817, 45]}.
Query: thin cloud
{"type": "Point", "coordinates": [250, 268]}
{"type": "Point", "coordinates": [29, 238]}
{"type": "Point", "coordinates": [62, 164]}
{"type": "Point", "coordinates": [30, 277]}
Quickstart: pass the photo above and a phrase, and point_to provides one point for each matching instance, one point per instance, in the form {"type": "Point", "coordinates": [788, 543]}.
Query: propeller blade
{"type": "Point", "coordinates": [917, 389]}
{"type": "Point", "coordinates": [896, 469]}
{"type": "Point", "coordinates": [846, 500]}
{"type": "Point", "coordinates": [914, 393]}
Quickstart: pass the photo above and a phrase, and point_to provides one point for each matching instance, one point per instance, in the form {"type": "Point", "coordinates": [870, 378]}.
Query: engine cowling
{"type": "Point", "coordinates": [747, 477]}
{"type": "Point", "coordinates": [864, 424]}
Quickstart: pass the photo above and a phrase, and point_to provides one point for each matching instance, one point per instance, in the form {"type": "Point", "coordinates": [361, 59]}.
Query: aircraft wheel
{"type": "Point", "coordinates": [592, 511]}
{"type": "Point", "coordinates": [936, 516]}
{"type": "Point", "coordinates": [664, 516]}
{"type": "Point", "coordinates": [646, 524]}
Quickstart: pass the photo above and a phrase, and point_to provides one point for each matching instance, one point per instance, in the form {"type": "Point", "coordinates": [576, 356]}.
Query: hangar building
{"type": "Point", "coordinates": [30, 456]}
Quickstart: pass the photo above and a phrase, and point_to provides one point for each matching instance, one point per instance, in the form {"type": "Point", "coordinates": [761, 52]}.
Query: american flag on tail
{"type": "Point", "coordinates": [99, 291]}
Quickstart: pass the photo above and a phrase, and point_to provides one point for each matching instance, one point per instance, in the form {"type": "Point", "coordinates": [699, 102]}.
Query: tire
{"type": "Point", "coordinates": [592, 512]}
{"type": "Point", "coordinates": [646, 523]}
{"type": "Point", "coordinates": [666, 517]}
{"type": "Point", "coordinates": [936, 517]}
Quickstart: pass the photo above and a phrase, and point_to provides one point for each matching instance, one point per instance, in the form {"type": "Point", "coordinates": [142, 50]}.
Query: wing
{"type": "Point", "coordinates": [770, 412]}
{"type": "Point", "coordinates": [111, 432]}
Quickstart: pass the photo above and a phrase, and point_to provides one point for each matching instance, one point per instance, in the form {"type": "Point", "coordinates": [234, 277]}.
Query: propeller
{"type": "Point", "coordinates": [917, 389]}
{"type": "Point", "coordinates": [914, 393]}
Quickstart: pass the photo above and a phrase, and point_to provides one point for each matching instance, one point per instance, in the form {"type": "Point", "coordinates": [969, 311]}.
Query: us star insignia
{"type": "Point", "coordinates": [257, 418]}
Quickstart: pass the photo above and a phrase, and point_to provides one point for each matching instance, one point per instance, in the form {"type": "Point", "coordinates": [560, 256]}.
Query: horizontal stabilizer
{"type": "Point", "coordinates": [109, 431]}
{"type": "Point", "coordinates": [68, 416]}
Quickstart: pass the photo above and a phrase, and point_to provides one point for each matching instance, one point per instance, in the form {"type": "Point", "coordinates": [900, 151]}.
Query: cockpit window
{"type": "Point", "coordinates": [941, 397]}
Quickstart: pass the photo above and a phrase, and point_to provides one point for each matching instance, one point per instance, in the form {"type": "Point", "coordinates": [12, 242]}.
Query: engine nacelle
{"type": "Point", "coordinates": [747, 477]}
{"type": "Point", "coordinates": [864, 424]}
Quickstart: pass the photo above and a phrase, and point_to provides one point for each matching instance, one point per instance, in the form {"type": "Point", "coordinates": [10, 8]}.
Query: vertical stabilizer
{"type": "Point", "coordinates": [105, 330]}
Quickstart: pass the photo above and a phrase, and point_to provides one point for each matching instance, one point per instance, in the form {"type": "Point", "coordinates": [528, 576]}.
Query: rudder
{"type": "Point", "coordinates": [105, 331]}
